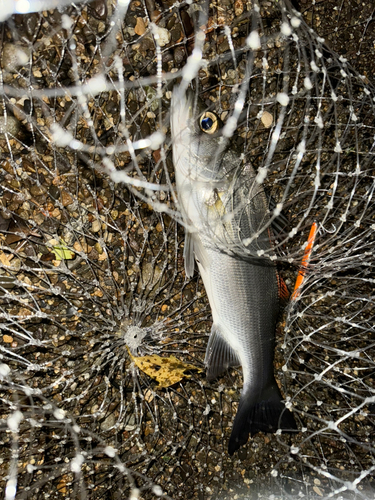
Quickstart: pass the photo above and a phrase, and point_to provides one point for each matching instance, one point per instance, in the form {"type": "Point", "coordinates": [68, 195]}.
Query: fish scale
{"type": "Point", "coordinates": [225, 209]}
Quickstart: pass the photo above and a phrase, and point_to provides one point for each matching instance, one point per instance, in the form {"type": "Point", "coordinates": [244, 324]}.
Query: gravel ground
{"type": "Point", "coordinates": [90, 268]}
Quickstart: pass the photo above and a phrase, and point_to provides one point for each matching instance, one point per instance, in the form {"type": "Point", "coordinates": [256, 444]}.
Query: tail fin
{"type": "Point", "coordinates": [265, 415]}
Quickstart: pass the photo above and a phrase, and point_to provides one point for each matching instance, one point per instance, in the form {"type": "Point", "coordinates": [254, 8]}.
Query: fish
{"type": "Point", "coordinates": [227, 233]}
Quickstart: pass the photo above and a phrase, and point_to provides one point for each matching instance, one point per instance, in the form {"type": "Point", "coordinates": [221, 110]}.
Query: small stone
{"type": "Point", "coordinates": [66, 198]}
{"type": "Point", "coordinates": [132, 106]}
{"type": "Point", "coordinates": [14, 56]}
{"type": "Point", "coordinates": [54, 192]}
{"type": "Point", "coordinates": [145, 130]}
{"type": "Point", "coordinates": [149, 395]}
{"type": "Point", "coordinates": [238, 7]}
{"type": "Point", "coordinates": [186, 21]}
{"type": "Point", "coordinates": [179, 55]}
{"type": "Point", "coordinates": [150, 4]}
{"type": "Point", "coordinates": [267, 119]}
{"type": "Point", "coordinates": [176, 33]}
{"type": "Point", "coordinates": [162, 36]}
{"type": "Point", "coordinates": [140, 27]}
{"type": "Point", "coordinates": [37, 190]}
{"type": "Point", "coordinates": [96, 225]}
{"type": "Point", "coordinates": [9, 125]}
{"type": "Point", "coordinates": [98, 9]}
{"type": "Point", "coordinates": [7, 339]}
{"type": "Point", "coordinates": [159, 227]}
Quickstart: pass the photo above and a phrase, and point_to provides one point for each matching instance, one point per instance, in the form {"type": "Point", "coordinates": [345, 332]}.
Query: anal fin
{"type": "Point", "coordinates": [219, 354]}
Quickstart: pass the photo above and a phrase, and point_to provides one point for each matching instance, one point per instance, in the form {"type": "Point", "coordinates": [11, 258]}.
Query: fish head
{"type": "Point", "coordinates": [217, 192]}
{"type": "Point", "coordinates": [200, 151]}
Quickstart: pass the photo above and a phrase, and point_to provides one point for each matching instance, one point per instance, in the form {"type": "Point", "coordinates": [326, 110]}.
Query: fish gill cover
{"type": "Point", "coordinates": [91, 258]}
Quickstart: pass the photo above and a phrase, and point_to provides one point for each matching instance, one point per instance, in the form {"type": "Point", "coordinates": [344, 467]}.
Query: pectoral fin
{"type": "Point", "coordinates": [193, 249]}
{"type": "Point", "coordinates": [189, 255]}
{"type": "Point", "coordinates": [219, 354]}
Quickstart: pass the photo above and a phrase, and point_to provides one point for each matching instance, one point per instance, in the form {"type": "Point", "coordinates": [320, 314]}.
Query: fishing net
{"type": "Point", "coordinates": [102, 385]}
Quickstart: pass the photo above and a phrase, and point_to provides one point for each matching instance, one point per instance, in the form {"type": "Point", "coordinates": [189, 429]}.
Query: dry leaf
{"type": "Point", "coordinates": [5, 259]}
{"type": "Point", "coordinates": [60, 250]}
{"type": "Point", "coordinates": [166, 371]}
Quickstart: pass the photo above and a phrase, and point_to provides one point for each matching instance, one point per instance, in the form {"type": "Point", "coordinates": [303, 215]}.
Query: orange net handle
{"type": "Point", "coordinates": [305, 260]}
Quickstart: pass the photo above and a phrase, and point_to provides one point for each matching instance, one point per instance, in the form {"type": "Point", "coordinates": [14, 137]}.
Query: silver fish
{"type": "Point", "coordinates": [225, 211]}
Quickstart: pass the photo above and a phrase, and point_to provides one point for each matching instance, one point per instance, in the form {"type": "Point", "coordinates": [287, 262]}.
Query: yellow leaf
{"type": "Point", "coordinates": [61, 251]}
{"type": "Point", "coordinates": [166, 371]}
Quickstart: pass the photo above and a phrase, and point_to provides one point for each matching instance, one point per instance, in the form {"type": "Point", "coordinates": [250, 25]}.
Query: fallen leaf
{"type": "Point", "coordinates": [61, 251]}
{"type": "Point", "coordinates": [166, 371]}
{"type": "Point", "coordinates": [5, 259]}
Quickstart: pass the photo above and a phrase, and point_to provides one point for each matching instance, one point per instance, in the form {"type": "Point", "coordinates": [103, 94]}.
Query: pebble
{"type": "Point", "coordinates": [238, 7]}
{"type": "Point", "coordinates": [147, 43]}
{"type": "Point", "coordinates": [171, 22]}
{"type": "Point", "coordinates": [54, 192]}
{"type": "Point", "coordinates": [9, 125]}
{"type": "Point", "coordinates": [162, 36]}
{"type": "Point", "coordinates": [14, 56]}
{"type": "Point", "coordinates": [150, 5]}
{"type": "Point", "coordinates": [176, 33]}
{"type": "Point", "coordinates": [267, 119]}
{"type": "Point", "coordinates": [132, 106]}
{"type": "Point", "coordinates": [96, 225]}
{"type": "Point", "coordinates": [112, 107]}
{"type": "Point", "coordinates": [66, 198]}
{"type": "Point", "coordinates": [37, 190]}
{"type": "Point", "coordinates": [186, 21]}
{"type": "Point", "coordinates": [98, 8]}
{"type": "Point", "coordinates": [145, 130]}
{"type": "Point", "coordinates": [179, 55]}
{"type": "Point", "coordinates": [140, 27]}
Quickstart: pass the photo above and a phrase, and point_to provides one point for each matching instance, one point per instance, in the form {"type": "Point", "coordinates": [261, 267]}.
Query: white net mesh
{"type": "Point", "coordinates": [91, 264]}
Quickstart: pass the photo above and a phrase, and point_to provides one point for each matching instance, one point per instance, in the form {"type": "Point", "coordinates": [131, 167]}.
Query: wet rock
{"type": "Point", "coordinates": [9, 125]}
{"type": "Point", "coordinates": [145, 129]}
{"type": "Point", "coordinates": [150, 5]}
{"type": "Point", "coordinates": [14, 56]}
{"type": "Point", "coordinates": [54, 192]}
{"type": "Point", "coordinates": [179, 55]}
{"type": "Point", "coordinates": [186, 21]}
{"type": "Point", "coordinates": [147, 43]}
{"type": "Point", "coordinates": [98, 8]}
{"type": "Point", "coordinates": [176, 33]}
{"type": "Point", "coordinates": [162, 36]}
{"type": "Point", "coordinates": [37, 190]}
{"type": "Point", "coordinates": [132, 106]}
{"type": "Point", "coordinates": [238, 7]}
{"type": "Point", "coordinates": [30, 24]}
{"type": "Point", "coordinates": [112, 106]}
{"type": "Point", "coordinates": [66, 198]}
{"type": "Point", "coordinates": [171, 22]}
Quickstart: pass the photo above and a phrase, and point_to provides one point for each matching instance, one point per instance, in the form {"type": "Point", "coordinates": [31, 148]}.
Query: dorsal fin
{"type": "Point", "coordinates": [219, 354]}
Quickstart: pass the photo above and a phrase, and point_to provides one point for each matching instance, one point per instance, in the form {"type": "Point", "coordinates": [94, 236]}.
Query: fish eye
{"type": "Point", "coordinates": [208, 123]}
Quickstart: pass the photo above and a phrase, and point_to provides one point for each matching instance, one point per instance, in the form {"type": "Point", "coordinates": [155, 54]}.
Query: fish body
{"type": "Point", "coordinates": [224, 210]}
